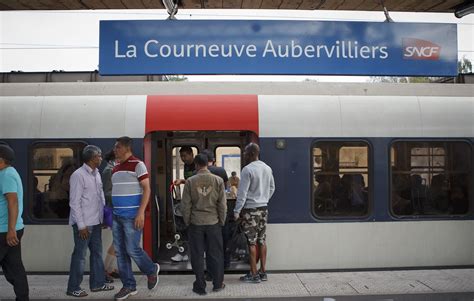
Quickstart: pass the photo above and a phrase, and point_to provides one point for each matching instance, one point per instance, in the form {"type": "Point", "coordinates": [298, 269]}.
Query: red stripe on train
{"type": "Point", "coordinates": [202, 113]}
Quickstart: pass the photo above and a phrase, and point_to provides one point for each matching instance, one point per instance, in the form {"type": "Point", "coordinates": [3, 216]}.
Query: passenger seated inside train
{"type": "Point", "coordinates": [401, 195]}
{"type": "Point", "coordinates": [459, 200]}
{"type": "Point", "coordinates": [323, 200]}
{"type": "Point", "coordinates": [39, 207]}
{"type": "Point", "coordinates": [358, 193]}
{"type": "Point", "coordinates": [347, 195]}
{"type": "Point", "coordinates": [418, 193]}
{"type": "Point", "coordinates": [59, 189]}
{"type": "Point", "coordinates": [439, 192]}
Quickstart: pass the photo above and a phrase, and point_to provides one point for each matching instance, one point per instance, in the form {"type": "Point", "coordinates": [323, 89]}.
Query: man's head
{"type": "Point", "coordinates": [110, 156]}
{"type": "Point", "coordinates": [200, 161]}
{"type": "Point", "coordinates": [251, 152]}
{"type": "Point", "coordinates": [92, 156]}
{"type": "Point", "coordinates": [186, 154]}
{"type": "Point", "coordinates": [210, 156]}
{"type": "Point", "coordinates": [7, 156]}
{"type": "Point", "coordinates": [233, 174]}
{"type": "Point", "coordinates": [123, 148]}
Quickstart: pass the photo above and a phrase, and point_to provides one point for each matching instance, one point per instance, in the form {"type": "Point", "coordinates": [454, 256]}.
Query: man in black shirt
{"type": "Point", "coordinates": [218, 171]}
{"type": "Point", "coordinates": [187, 156]}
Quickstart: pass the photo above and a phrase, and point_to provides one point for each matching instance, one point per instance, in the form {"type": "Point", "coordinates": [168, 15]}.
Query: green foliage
{"type": "Point", "coordinates": [176, 78]}
{"type": "Point", "coordinates": [464, 66]}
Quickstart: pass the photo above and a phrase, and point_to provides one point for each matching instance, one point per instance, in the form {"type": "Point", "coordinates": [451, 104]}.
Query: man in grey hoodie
{"type": "Point", "coordinates": [255, 190]}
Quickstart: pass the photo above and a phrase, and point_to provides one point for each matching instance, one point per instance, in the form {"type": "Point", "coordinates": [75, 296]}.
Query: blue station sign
{"type": "Point", "coordinates": [277, 47]}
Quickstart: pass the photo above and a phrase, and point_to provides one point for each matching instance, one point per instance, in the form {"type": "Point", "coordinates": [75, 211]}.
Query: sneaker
{"type": "Point", "coordinates": [103, 288]}
{"type": "Point", "coordinates": [109, 279]}
{"type": "Point", "coordinates": [79, 293]}
{"type": "Point", "coordinates": [249, 278]}
{"type": "Point", "coordinates": [115, 275]}
{"type": "Point", "coordinates": [218, 289]}
{"type": "Point", "coordinates": [199, 292]}
{"type": "Point", "coordinates": [178, 258]}
{"type": "Point", "coordinates": [154, 278]}
{"type": "Point", "coordinates": [263, 276]}
{"type": "Point", "coordinates": [125, 293]}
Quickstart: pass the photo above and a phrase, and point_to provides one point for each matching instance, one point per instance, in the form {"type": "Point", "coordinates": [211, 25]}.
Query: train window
{"type": "Point", "coordinates": [178, 164]}
{"type": "Point", "coordinates": [228, 157]}
{"type": "Point", "coordinates": [51, 167]}
{"type": "Point", "coordinates": [340, 179]}
{"type": "Point", "coordinates": [430, 178]}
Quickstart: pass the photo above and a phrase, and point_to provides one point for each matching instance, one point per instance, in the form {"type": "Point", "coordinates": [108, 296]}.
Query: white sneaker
{"type": "Point", "coordinates": [185, 258]}
{"type": "Point", "coordinates": [178, 257]}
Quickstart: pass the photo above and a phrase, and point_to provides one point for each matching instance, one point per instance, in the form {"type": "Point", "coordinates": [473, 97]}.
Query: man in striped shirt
{"type": "Point", "coordinates": [130, 196]}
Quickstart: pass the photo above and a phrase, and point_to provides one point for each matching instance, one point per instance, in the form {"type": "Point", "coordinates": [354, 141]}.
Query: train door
{"type": "Point", "coordinates": [167, 166]}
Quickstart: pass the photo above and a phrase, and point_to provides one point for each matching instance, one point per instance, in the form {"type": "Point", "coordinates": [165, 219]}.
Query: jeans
{"type": "Point", "coordinates": [206, 238]}
{"type": "Point", "coordinates": [78, 259]}
{"type": "Point", "coordinates": [10, 260]}
{"type": "Point", "coordinates": [127, 247]}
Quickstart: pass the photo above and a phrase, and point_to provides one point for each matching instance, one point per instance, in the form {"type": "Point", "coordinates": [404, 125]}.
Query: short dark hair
{"type": "Point", "coordinates": [125, 141]}
{"type": "Point", "coordinates": [253, 149]}
{"type": "Point", "coordinates": [110, 155]}
{"type": "Point", "coordinates": [7, 154]}
{"type": "Point", "coordinates": [209, 154]}
{"type": "Point", "coordinates": [233, 173]}
{"type": "Point", "coordinates": [186, 149]}
{"type": "Point", "coordinates": [200, 160]}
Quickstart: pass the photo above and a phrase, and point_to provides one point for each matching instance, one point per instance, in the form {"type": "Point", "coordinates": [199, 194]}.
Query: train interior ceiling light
{"type": "Point", "coordinates": [464, 9]}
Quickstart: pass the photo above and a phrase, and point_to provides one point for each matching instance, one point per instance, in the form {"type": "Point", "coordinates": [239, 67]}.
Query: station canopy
{"type": "Point", "coordinates": [447, 6]}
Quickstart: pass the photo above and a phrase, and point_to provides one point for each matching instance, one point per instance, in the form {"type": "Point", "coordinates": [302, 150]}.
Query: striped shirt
{"type": "Point", "coordinates": [126, 190]}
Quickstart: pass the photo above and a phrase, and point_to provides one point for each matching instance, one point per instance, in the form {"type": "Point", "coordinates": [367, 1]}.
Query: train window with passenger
{"type": "Point", "coordinates": [430, 178]}
{"type": "Point", "coordinates": [340, 179]}
{"type": "Point", "coordinates": [229, 158]}
{"type": "Point", "coordinates": [52, 164]}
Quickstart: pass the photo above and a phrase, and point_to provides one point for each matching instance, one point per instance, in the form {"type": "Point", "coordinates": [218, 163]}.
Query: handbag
{"type": "Point", "coordinates": [108, 216]}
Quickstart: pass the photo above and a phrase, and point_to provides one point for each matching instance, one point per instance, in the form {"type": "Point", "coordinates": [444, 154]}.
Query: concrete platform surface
{"type": "Point", "coordinates": [447, 284]}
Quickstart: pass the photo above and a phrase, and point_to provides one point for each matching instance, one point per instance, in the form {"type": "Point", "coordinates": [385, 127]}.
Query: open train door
{"type": "Point", "coordinates": [223, 124]}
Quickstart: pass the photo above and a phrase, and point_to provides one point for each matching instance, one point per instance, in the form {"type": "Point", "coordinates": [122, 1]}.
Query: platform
{"type": "Point", "coordinates": [447, 284]}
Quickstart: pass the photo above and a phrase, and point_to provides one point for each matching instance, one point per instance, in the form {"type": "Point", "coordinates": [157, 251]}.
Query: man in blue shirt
{"type": "Point", "coordinates": [11, 224]}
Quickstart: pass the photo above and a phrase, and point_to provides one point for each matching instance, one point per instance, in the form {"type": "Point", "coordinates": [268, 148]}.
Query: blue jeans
{"type": "Point", "coordinates": [127, 246]}
{"type": "Point", "coordinates": [78, 259]}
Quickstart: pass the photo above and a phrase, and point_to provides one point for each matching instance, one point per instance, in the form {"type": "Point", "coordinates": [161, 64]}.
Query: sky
{"type": "Point", "coordinates": [68, 40]}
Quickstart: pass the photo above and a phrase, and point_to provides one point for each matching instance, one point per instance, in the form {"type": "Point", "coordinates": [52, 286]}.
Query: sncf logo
{"type": "Point", "coordinates": [415, 49]}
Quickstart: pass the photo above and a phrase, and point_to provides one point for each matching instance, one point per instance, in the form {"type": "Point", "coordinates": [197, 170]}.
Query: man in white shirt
{"type": "Point", "coordinates": [87, 202]}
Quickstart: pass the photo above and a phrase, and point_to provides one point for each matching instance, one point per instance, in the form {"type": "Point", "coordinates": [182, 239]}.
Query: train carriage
{"type": "Point", "coordinates": [367, 175]}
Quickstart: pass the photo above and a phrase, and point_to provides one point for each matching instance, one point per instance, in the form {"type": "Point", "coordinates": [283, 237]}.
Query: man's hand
{"type": "Point", "coordinates": [12, 239]}
{"type": "Point", "coordinates": [84, 233]}
{"type": "Point", "coordinates": [179, 182]}
{"type": "Point", "coordinates": [236, 216]}
{"type": "Point", "coordinates": [140, 221]}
